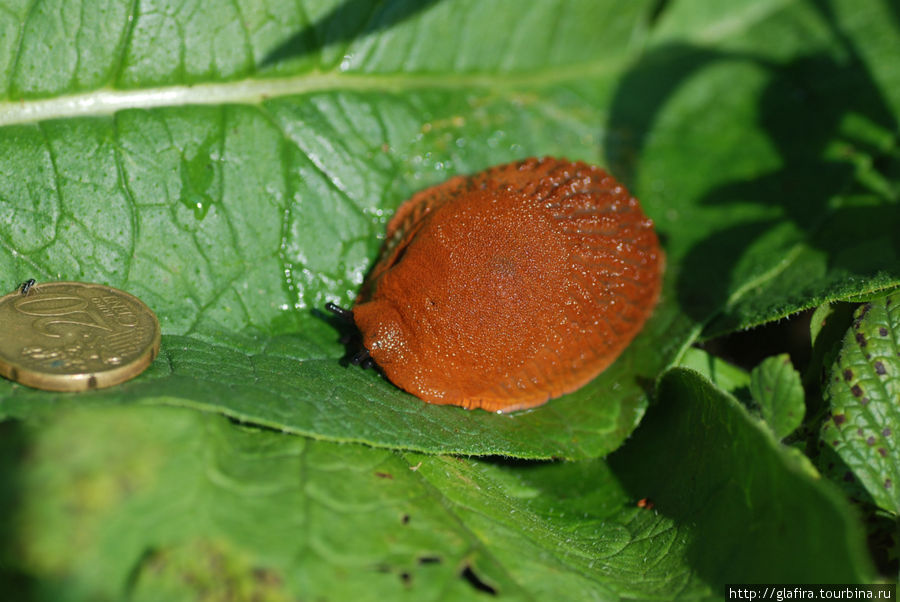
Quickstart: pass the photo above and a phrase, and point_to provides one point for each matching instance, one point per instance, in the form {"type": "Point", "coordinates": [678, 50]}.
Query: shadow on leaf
{"type": "Point", "coordinates": [750, 509]}
{"type": "Point", "coordinates": [351, 20]}
{"type": "Point", "coordinates": [836, 139]}
{"type": "Point", "coordinates": [13, 450]}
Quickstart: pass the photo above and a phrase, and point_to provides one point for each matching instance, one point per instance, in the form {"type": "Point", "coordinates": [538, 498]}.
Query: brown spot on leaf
{"type": "Point", "coordinates": [887, 483]}
{"type": "Point", "coordinates": [856, 390]}
{"type": "Point", "coordinates": [870, 440]}
{"type": "Point", "coordinates": [267, 577]}
{"type": "Point", "coordinates": [883, 331]}
{"type": "Point", "coordinates": [882, 452]}
{"type": "Point", "coordinates": [879, 368]}
{"type": "Point", "coordinates": [861, 339]}
{"type": "Point", "coordinates": [430, 560]}
{"type": "Point", "coordinates": [476, 582]}
{"type": "Point", "coordinates": [384, 475]}
{"type": "Point", "coordinates": [886, 431]}
{"type": "Point", "coordinates": [839, 419]}
{"type": "Point", "coordinates": [848, 374]}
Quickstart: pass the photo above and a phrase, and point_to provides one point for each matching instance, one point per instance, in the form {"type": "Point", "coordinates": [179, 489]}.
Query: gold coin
{"type": "Point", "coordinates": [73, 336]}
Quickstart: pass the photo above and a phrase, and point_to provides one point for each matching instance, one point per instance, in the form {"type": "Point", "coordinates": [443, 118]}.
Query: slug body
{"type": "Point", "coordinates": [510, 287]}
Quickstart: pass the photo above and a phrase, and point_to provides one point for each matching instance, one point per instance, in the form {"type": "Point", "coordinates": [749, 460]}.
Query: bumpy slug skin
{"type": "Point", "coordinates": [510, 287]}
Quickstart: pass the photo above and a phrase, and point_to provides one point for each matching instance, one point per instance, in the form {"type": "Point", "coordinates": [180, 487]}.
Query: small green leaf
{"type": "Point", "coordinates": [863, 392]}
{"type": "Point", "coordinates": [723, 374]}
{"type": "Point", "coordinates": [818, 321]}
{"type": "Point", "coordinates": [827, 326]}
{"type": "Point", "coordinates": [776, 387]}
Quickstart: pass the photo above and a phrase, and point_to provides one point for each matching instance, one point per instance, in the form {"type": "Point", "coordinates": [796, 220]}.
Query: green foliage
{"type": "Point", "coordinates": [755, 519]}
{"type": "Point", "coordinates": [776, 388]}
{"type": "Point", "coordinates": [234, 165]}
{"type": "Point", "coordinates": [146, 502]}
{"type": "Point", "coordinates": [862, 393]}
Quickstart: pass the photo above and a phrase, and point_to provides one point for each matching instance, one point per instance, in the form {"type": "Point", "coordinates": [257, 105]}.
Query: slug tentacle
{"type": "Point", "coordinates": [363, 359]}
{"type": "Point", "coordinates": [341, 312]}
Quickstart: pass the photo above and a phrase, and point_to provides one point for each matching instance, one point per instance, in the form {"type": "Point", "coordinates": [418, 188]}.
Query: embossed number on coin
{"type": "Point", "coordinates": [73, 336]}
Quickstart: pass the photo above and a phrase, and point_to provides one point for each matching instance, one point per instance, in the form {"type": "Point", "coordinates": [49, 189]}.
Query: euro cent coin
{"type": "Point", "coordinates": [73, 336]}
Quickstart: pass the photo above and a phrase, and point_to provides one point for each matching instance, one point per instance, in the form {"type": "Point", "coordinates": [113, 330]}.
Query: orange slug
{"type": "Point", "coordinates": [510, 287]}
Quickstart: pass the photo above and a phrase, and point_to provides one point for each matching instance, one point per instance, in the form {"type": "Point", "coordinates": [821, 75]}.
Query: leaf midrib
{"type": "Point", "coordinates": [257, 90]}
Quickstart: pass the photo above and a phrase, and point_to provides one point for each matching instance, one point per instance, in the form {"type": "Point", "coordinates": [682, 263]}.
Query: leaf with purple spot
{"type": "Point", "coordinates": [863, 392]}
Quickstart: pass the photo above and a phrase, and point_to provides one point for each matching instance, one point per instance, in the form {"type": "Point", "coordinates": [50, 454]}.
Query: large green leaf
{"type": "Point", "coordinates": [149, 503]}
{"type": "Point", "coordinates": [862, 392]}
{"type": "Point", "coordinates": [234, 165]}
{"type": "Point", "coordinates": [757, 512]}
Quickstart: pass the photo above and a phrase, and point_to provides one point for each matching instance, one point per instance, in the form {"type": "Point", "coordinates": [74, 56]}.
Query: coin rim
{"type": "Point", "coordinates": [83, 381]}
